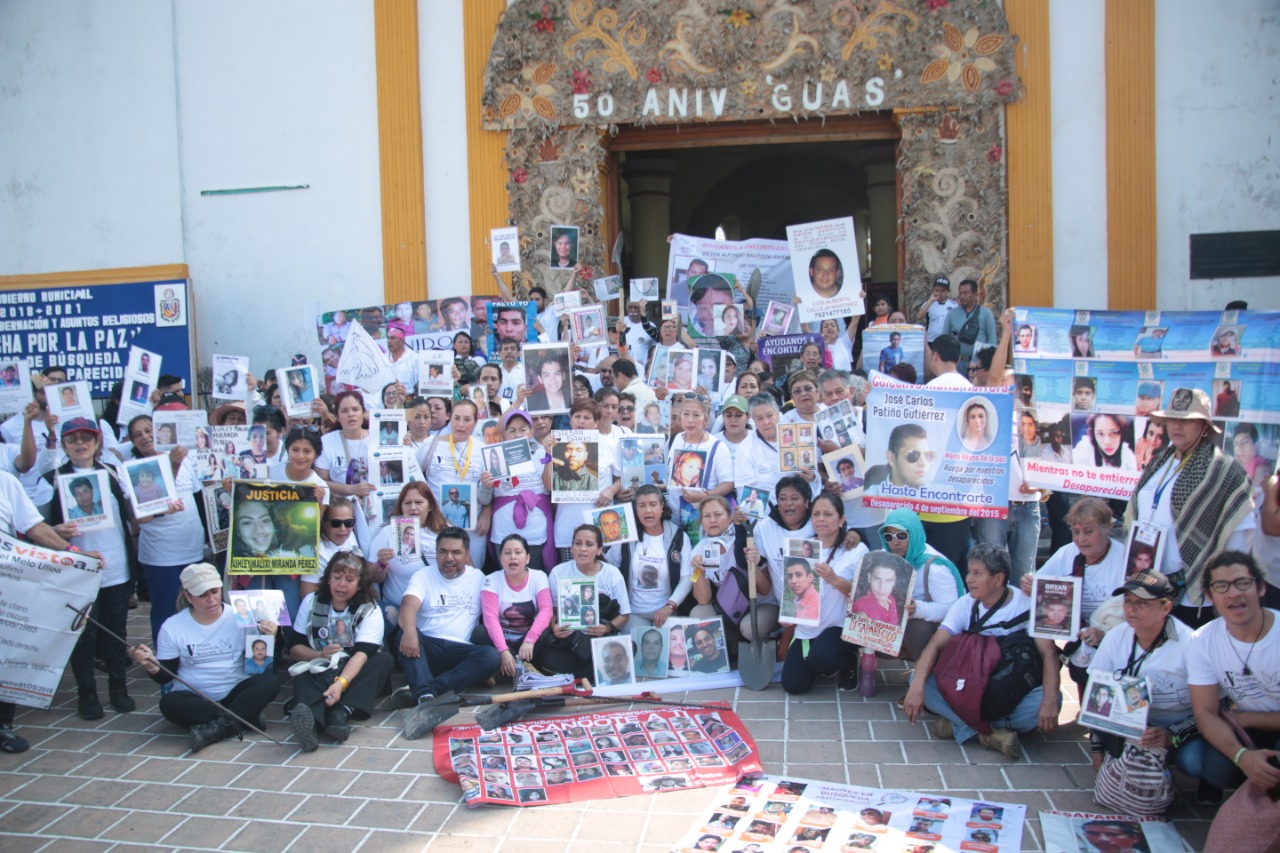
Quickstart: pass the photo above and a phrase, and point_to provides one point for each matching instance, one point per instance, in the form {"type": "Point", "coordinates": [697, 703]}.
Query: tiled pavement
{"type": "Point", "coordinates": [127, 781]}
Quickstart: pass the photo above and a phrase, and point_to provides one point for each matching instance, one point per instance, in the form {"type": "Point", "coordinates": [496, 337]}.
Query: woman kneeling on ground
{"type": "Point", "coordinates": [329, 698]}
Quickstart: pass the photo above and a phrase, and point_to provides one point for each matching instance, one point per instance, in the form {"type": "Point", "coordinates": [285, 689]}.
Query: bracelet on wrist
{"type": "Point", "coordinates": [341, 682]}
{"type": "Point", "coordinates": [1241, 751]}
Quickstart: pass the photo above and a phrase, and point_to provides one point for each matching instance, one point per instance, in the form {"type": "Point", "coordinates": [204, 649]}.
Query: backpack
{"type": "Point", "coordinates": [1019, 671]}
{"type": "Point", "coordinates": [969, 331]}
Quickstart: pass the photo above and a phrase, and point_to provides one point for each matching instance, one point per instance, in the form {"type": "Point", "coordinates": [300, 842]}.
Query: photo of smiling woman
{"type": "Point", "coordinates": [976, 426]}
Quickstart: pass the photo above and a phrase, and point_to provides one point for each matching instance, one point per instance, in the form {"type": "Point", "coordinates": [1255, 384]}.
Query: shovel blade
{"type": "Point", "coordinates": [424, 717]}
{"type": "Point", "coordinates": [756, 663]}
{"type": "Point", "coordinates": [493, 716]}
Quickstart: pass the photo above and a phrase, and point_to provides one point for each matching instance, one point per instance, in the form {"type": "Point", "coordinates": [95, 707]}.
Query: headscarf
{"type": "Point", "coordinates": [918, 551]}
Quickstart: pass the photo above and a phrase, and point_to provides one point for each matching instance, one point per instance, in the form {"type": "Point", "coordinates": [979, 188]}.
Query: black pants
{"type": "Point", "coordinates": [828, 655]}
{"type": "Point", "coordinates": [572, 654]}
{"type": "Point", "coordinates": [359, 698]}
{"type": "Point", "coordinates": [248, 699]}
{"type": "Point", "coordinates": [1057, 507]}
{"type": "Point", "coordinates": [7, 712]}
{"type": "Point", "coordinates": [112, 610]}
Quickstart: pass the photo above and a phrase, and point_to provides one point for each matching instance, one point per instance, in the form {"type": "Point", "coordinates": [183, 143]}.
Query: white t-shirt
{"type": "Point", "coordinates": [608, 582]}
{"type": "Point", "coordinates": [936, 318]}
{"type": "Point", "coordinates": [337, 456]}
{"type": "Point", "coordinates": [369, 630]}
{"type": "Point", "coordinates": [1099, 580]}
{"type": "Point", "coordinates": [569, 516]}
{"type": "Point", "coordinates": [37, 487]}
{"type": "Point", "coordinates": [770, 543]}
{"type": "Point", "coordinates": [1165, 668]}
{"type": "Point", "coordinates": [525, 600]}
{"type": "Point", "coordinates": [768, 469]}
{"type": "Point", "coordinates": [960, 614]}
{"type": "Point", "coordinates": [210, 657]}
{"type": "Point", "coordinates": [401, 570]}
{"type": "Point", "coordinates": [718, 466]}
{"type": "Point", "coordinates": [278, 473]}
{"type": "Point", "coordinates": [536, 524]}
{"type": "Point", "coordinates": [638, 340]}
{"type": "Point", "coordinates": [445, 465]}
{"type": "Point", "coordinates": [511, 380]}
{"type": "Point", "coordinates": [406, 369]}
{"type": "Point", "coordinates": [943, 589]}
{"type": "Point", "coordinates": [108, 542]}
{"type": "Point", "coordinates": [17, 513]}
{"type": "Point", "coordinates": [744, 458]}
{"type": "Point", "coordinates": [1215, 657]}
{"type": "Point", "coordinates": [450, 607]}
{"type": "Point", "coordinates": [650, 553]}
{"type": "Point", "coordinates": [833, 604]}
{"type": "Point", "coordinates": [325, 554]}
{"type": "Point", "coordinates": [842, 353]}
{"type": "Point", "coordinates": [949, 380]}
{"type": "Point", "coordinates": [177, 538]}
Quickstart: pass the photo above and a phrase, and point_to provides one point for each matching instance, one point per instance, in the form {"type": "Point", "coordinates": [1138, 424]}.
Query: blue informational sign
{"type": "Point", "coordinates": [88, 329]}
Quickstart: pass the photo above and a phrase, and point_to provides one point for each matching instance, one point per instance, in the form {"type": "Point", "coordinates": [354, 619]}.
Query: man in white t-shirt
{"type": "Point", "coordinates": [440, 609]}
{"type": "Point", "coordinates": [935, 309]}
{"type": "Point", "coordinates": [1237, 656]}
{"type": "Point", "coordinates": [640, 333]}
{"type": "Point", "coordinates": [989, 590]}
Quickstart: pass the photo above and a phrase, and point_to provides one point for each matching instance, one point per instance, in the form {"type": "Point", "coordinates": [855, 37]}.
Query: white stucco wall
{"type": "Point", "coordinates": [1217, 157]}
{"type": "Point", "coordinates": [88, 130]}
{"type": "Point", "coordinates": [1078, 83]}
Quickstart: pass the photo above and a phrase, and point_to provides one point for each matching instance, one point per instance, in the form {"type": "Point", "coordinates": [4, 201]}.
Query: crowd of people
{"type": "Point", "coordinates": [479, 595]}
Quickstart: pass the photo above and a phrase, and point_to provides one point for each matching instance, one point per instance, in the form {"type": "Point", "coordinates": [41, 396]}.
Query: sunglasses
{"type": "Point", "coordinates": [338, 523]}
{"type": "Point", "coordinates": [804, 389]}
{"type": "Point", "coordinates": [913, 456]}
{"type": "Point", "coordinates": [900, 536]}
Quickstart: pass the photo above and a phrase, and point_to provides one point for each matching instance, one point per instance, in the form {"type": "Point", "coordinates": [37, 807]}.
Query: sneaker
{"type": "Point", "coordinates": [1208, 795]}
{"type": "Point", "coordinates": [304, 727]}
{"type": "Point", "coordinates": [1002, 740]}
{"type": "Point", "coordinates": [418, 719]}
{"type": "Point", "coordinates": [847, 680]}
{"type": "Point", "coordinates": [336, 725]}
{"type": "Point", "coordinates": [943, 729]}
{"type": "Point", "coordinates": [11, 741]}
{"type": "Point", "coordinates": [122, 702]}
{"type": "Point", "coordinates": [402, 698]}
{"type": "Point", "coordinates": [89, 708]}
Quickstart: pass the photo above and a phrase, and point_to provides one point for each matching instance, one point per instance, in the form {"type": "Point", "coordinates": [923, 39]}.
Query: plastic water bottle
{"type": "Point", "coordinates": [867, 674]}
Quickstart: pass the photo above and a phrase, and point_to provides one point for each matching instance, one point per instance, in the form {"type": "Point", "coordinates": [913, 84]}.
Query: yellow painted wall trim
{"type": "Point", "coordinates": [1131, 154]}
{"type": "Point", "coordinates": [404, 230]}
{"type": "Point", "coordinates": [1029, 161]}
{"type": "Point", "coordinates": [118, 275]}
{"type": "Point", "coordinates": [490, 203]}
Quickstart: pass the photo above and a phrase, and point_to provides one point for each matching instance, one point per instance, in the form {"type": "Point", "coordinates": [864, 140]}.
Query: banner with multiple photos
{"type": "Point", "coordinates": [1089, 380]}
{"type": "Point", "coordinates": [595, 756]}
{"type": "Point", "coordinates": [938, 449]}
{"type": "Point", "coordinates": [39, 591]}
{"type": "Point", "coordinates": [783, 814]}
{"type": "Point", "coordinates": [690, 257]}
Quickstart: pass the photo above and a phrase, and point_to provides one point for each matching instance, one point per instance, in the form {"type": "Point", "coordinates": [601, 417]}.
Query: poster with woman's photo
{"type": "Point", "coordinates": [230, 374]}
{"type": "Point", "coordinates": [727, 319]}
{"type": "Point", "coordinates": [564, 247]}
{"type": "Point", "coordinates": [777, 319]}
{"type": "Point", "coordinates": [847, 469]}
{"type": "Point", "coordinates": [801, 591]}
{"type": "Point", "coordinates": [611, 658]}
{"type": "Point", "coordinates": [504, 248]}
{"type": "Point", "coordinates": [149, 485]}
{"type": "Point", "coordinates": [658, 366]}
{"type": "Point", "coordinates": [1116, 705]}
{"type": "Point", "coordinates": [651, 653]}
{"type": "Point", "coordinates": [15, 385]}
{"type": "Point", "coordinates": [85, 497]}
{"type": "Point", "coordinates": [435, 373]}
{"type": "Point", "coordinates": [575, 464]}
{"type": "Point", "coordinates": [69, 400]}
{"type": "Point", "coordinates": [824, 269]}
{"type": "Point", "coordinates": [406, 529]}
{"type": "Point", "coordinates": [259, 653]}
{"type": "Point", "coordinates": [578, 603]}
{"type": "Point", "coordinates": [178, 428]}
{"type": "Point", "coordinates": [680, 369]}
{"type": "Point", "coordinates": [587, 326]}
{"type": "Point", "coordinates": [275, 529]}
{"type": "Point", "coordinates": [711, 370]}
{"type": "Point", "coordinates": [1145, 547]}
{"type": "Point", "coordinates": [876, 618]}
{"type": "Point", "coordinates": [617, 523]}
{"type": "Point", "coordinates": [546, 372]}
{"type": "Point", "coordinates": [1055, 608]}
{"type": "Point", "coordinates": [217, 513]}
{"type": "Point", "coordinates": [297, 389]}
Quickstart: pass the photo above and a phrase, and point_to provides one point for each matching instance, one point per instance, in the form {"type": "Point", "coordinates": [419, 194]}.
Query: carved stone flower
{"type": "Point", "coordinates": [962, 57]}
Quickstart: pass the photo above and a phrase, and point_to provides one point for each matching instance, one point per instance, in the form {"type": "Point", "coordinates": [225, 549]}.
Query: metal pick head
{"type": "Point", "coordinates": [81, 616]}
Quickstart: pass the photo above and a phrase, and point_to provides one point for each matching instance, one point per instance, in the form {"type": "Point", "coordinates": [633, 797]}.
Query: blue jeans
{"type": "Point", "coordinates": [292, 589]}
{"type": "Point", "coordinates": [1024, 718]}
{"type": "Point", "coordinates": [1019, 533]}
{"type": "Point", "coordinates": [444, 665]}
{"type": "Point", "coordinates": [163, 583]}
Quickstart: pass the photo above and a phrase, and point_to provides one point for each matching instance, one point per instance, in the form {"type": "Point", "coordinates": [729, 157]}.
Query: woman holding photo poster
{"type": "Point", "coordinates": [715, 477]}
{"type": "Point", "coordinates": [82, 442]}
{"type": "Point", "coordinates": [818, 649]}
{"type": "Point", "coordinates": [938, 582]}
{"type": "Point", "coordinates": [521, 504]}
{"type": "Point", "coordinates": [454, 457]}
{"type": "Point", "coordinates": [562, 649]}
{"type": "Point", "coordinates": [656, 567]}
{"type": "Point", "coordinates": [337, 534]}
{"type": "Point", "coordinates": [789, 519]}
{"type": "Point", "coordinates": [344, 456]}
{"type": "Point", "coordinates": [392, 571]}
{"type": "Point", "coordinates": [169, 541]}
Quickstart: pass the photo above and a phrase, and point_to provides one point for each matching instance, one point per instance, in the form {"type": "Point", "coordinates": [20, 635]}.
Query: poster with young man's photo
{"type": "Point", "coordinates": [504, 247]}
{"type": "Point", "coordinates": [140, 377]}
{"type": "Point", "coordinates": [1116, 705]}
{"type": "Point", "coordinates": [575, 463]}
{"type": "Point", "coordinates": [824, 269]}
{"type": "Point", "coordinates": [86, 500]}
{"type": "Point", "coordinates": [1055, 608]}
{"type": "Point", "coordinates": [275, 529]}
{"type": "Point", "coordinates": [801, 592]}
{"type": "Point", "coordinates": [876, 618]}
{"type": "Point", "coordinates": [217, 513]}
{"type": "Point", "coordinates": [15, 385]}
{"type": "Point", "coordinates": [848, 470]}
{"type": "Point", "coordinates": [607, 288]}
{"type": "Point", "coordinates": [388, 427]}
{"type": "Point", "coordinates": [69, 400]}
{"type": "Point", "coordinates": [547, 375]}
{"type": "Point", "coordinates": [435, 373]}
{"type": "Point", "coordinates": [705, 646]}
{"type": "Point", "coordinates": [1144, 549]}
{"type": "Point", "coordinates": [510, 320]}
{"type": "Point", "coordinates": [587, 326]}
{"type": "Point", "coordinates": [617, 523]}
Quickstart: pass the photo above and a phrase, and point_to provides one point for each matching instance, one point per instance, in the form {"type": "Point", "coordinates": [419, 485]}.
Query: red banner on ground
{"type": "Point", "coordinates": [595, 756]}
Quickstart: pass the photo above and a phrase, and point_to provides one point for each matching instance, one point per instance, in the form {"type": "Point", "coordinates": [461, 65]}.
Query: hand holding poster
{"type": "Point", "coordinates": [504, 244]}
{"type": "Point", "coordinates": [1118, 706]}
{"type": "Point", "coordinates": [149, 484]}
{"type": "Point", "coordinates": [575, 466]}
{"type": "Point", "coordinates": [1055, 608]}
{"type": "Point", "coordinates": [83, 495]}
{"type": "Point", "coordinates": [938, 449]}
{"type": "Point", "coordinates": [15, 385]}
{"type": "Point", "coordinates": [878, 601]}
{"type": "Point", "coordinates": [801, 592]}
{"type": "Point", "coordinates": [275, 529]}
{"type": "Point", "coordinates": [435, 373]}
{"type": "Point", "coordinates": [70, 400]}
{"type": "Point", "coordinates": [140, 376]}
{"type": "Point", "coordinates": [820, 252]}
{"type": "Point", "coordinates": [578, 603]}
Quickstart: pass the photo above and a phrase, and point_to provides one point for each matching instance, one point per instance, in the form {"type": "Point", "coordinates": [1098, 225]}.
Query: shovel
{"type": "Point", "coordinates": [757, 658]}
{"type": "Point", "coordinates": [427, 715]}
{"type": "Point", "coordinates": [499, 715]}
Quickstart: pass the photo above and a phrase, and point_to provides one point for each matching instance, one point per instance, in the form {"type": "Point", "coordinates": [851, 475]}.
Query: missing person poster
{"type": "Point", "coordinates": [886, 347]}
{"type": "Point", "coordinates": [937, 449]}
{"type": "Point", "coordinates": [387, 427]}
{"type": "Point", "coordinates": [546, 371]}
{"type": "Point", "coordinates": [825, 270]}
{"type": "Point", "coordinates": [575, 463]}
{"type": "Point", "coordinates": [275, 529]}
{"type": "Point", "coordinates": [435, 373]}
{"type": "Point", "coordinates": [801, 591]}
{"type": "Point", "coordinates": [70, 400]}
{"type": "Point", "coordinates": [1055, 608]}
{"type": "Point", "coordinates": [612, 659]}
{"type": "Point", "coordinates": [149, 485]}
{"type": "Point", "coordinates": [297, 389]}
{"type": "Point", "coordinates": [229, 377]}
{"type": "Point", "coordinates": [596, 756]}
{"type": "Point", "coordinates": [1091, 379]}
{"type": "Point", "coordinates": [1118, 706]}
{"type": "Point", "coordinates": [617, 523]}
{"type": "Point", "coordinates": [504, 246]}
{"type": "Point", "coordinates": [782, 351]}
{"type": "Point", "coordinates": [777, 319]}
{"type": "Point", "coordinates": [15, 385]}
{"type": "Point", "coordinates": [43, 591]}
{"type": "Point", "coordinates": [180, 428]}
{"type": "Point", "coordinates": [217, 514]}
{"type": "Point", "coordinates": [877, 617]}
{"type": "Point", "coordinates": [1090, 832]}
{"type": "Point", "coordinates": [140, 377]}
{"type": "Point", "coordinates": [638, 458]}
{"type": "Point", "coordinates": [86, 500]}
{"type": "Point", "coordinates": [1145, 548]}
{"type": "Point", "coordinates": [457, 504]}
{"type": "Point", "coordinates": [786, 814]}
{"type": "Point", "coordinates": [578, 603]}
{"type": "Point", "coordinates": [797, 447]}
{"type": "Point", "coordinates": [839, 425]}
{"type": "Point", "coordinates": [689, 257]}
{"type": "Point", "coordinates": [847, 468]}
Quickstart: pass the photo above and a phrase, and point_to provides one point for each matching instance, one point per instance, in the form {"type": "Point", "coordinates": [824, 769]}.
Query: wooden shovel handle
{"type": "Point", "coordinates": [579, 688]}
{"type": "Point", "coordinates": [751, 569]}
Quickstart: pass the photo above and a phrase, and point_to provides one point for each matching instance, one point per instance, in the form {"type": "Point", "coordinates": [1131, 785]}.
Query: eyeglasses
{"type": "Point", "coordinates": [913, 456]}
{"type": "Point", "coordinates": [81, 436]}
{"type": "Point", "coordinates": [1239, 583]}
{"type": "Point", "coordinates": [804, 389]}
{"type": "Point", "coordinates": [338, 523]}
{"type": "Point", "coordinates": [900, 536]}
